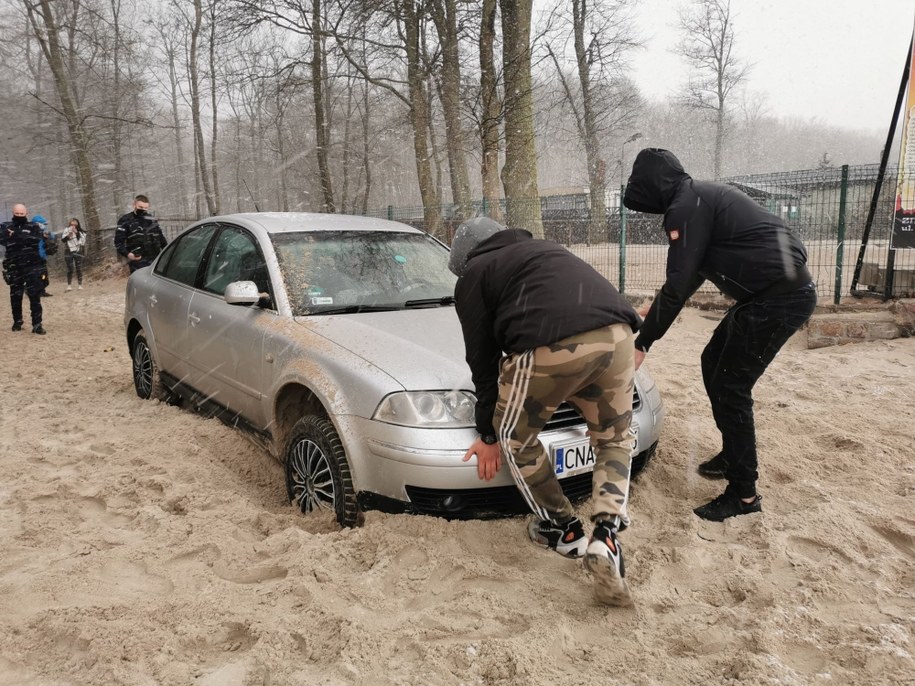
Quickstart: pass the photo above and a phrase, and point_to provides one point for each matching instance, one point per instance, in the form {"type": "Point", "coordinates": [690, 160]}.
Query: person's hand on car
{"type": "Point", "coordinates": [489, 458]}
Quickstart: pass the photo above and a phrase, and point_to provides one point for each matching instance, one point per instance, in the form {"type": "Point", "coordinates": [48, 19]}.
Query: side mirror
{"type": "Point", "coordinates": [242, 293]}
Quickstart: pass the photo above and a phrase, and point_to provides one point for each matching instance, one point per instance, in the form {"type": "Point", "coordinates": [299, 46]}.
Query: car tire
{"type": "Point", "coordinates": [146, 379]}
{"type": "Point", "coordinates": [317, 472]}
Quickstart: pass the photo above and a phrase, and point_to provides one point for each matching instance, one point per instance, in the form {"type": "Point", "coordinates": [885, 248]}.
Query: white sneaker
{"type": "Point", "coordinates": [80, 287]}
{"type": "Point", "coordinates": [69, 287]}
{"type": "Point", "coordinates": [604, 559]}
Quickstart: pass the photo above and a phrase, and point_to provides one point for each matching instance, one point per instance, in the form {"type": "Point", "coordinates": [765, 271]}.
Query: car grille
{"type": "Point", "coordinates": [482, 502]}
{"type": "Point", "coordinates": [566, 416]}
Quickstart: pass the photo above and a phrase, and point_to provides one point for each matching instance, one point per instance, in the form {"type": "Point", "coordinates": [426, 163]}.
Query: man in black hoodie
{"type": "Point", "coordinates": [718, 233]}
{"type": "Point", "coordinates": [567, 335]}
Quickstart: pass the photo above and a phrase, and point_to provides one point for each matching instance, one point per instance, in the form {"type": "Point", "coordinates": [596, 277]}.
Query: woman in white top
{"type": "Point", "coordinates": [74, 239]}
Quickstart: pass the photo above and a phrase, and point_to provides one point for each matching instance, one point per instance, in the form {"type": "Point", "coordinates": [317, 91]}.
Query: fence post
{"type": "Point", "coordinates": [391, 212]}
{"type": "Point", "coordinates": [622, 283]}
{"type": "Point", "coordinates": [840, 248]}
{"type": "Point", "coordinates": [485, 206]}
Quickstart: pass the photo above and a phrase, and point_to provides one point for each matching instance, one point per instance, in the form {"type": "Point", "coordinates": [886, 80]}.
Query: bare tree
{"type": "Point", "coordinates": [46, 30]}
{"type": "Point", "coordinates": [444, 15]}
{"type": "Point", "coordinates": [519, 174]}
{"type": "Point", "coordinates": [196, 116]}
{"type": "Point", "coordinates": [708, 46]}
{"type": "Point", "coordinates": [599, 97]}
{"type": "Point", "coordinates": [490, 114]}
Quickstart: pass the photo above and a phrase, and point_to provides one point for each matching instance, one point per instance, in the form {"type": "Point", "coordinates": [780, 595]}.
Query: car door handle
{"type": "Point", "coordinates": [269, 357]}
{"type": "Point", "coordinates": [194, 319]}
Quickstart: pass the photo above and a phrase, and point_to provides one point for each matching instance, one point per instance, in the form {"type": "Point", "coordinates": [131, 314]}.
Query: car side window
{"type": "Point", "coordinates": [187, 254]}
{"type": "Point", "coordinates": [235, 257]}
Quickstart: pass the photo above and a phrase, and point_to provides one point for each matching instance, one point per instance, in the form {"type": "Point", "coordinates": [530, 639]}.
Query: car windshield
{"type": "Point", "coordinates": [352, 271]}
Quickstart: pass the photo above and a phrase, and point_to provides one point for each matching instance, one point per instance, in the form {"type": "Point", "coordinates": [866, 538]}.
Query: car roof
{"type": "Point", "coordinates": [289, 222]}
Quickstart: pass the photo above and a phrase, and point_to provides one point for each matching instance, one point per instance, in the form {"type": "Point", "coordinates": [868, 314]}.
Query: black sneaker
{"type": "Point", "coordinates": [45, 294]}
{"type": "Point", "coordinates": [716, 468]}
{"type": "Point", "coordinates": [39, 330]}
{"type": "Point", "coordinates": [568, 539]}
{"type": "Point", "coordinates": [726, 505]}
{"type": "Point", "coordinates": [604, 559]}
{"type": "Point", "coordinates": [17, 326]}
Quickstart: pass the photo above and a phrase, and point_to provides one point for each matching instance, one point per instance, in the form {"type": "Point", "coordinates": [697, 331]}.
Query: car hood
{"type": "Point", "coordinates": [422, 349]}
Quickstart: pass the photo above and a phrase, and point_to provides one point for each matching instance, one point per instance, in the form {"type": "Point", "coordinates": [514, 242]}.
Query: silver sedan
{"type": "Point", "coordinates": [333, 341]}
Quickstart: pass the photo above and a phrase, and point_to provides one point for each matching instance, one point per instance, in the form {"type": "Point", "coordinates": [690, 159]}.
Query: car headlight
{"type": "Point", "coordinates": [425, 409]}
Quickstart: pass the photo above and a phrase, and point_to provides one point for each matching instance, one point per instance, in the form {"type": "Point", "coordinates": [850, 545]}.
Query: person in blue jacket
{"type": "Point", "coordinates": [47, 246]}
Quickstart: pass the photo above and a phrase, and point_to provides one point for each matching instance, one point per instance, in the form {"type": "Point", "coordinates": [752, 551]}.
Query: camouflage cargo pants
{"type": "Point", "coordinates": [593, 372]}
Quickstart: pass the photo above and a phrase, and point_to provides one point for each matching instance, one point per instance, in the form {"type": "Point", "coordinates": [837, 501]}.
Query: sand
{"type": "Point", "coordinates": [142, 544]}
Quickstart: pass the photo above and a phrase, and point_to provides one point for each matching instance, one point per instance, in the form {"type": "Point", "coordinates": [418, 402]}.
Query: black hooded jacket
{"type": "Point", "coordinates": [22, 240]}
{"type": "Point", "coordinates": [715, 232]}
{"type": "Point", "coordinates": [517, 293]}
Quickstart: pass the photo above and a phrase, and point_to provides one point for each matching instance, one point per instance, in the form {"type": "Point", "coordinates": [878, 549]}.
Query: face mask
{"type": "Point", "coordinates": [20, 220]}
{"type": "Point", "coordinates": [141, 213]}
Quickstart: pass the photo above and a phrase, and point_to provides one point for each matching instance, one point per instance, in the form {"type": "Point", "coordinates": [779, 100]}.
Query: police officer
{"type": "Point", "coordinates": [138, 236]}
{"type": "Point", "coordinates": [22, 266]}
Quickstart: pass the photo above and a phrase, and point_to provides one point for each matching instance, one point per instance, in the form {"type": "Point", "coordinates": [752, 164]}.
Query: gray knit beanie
{"type": "Point", "coordinates": [468, 236]}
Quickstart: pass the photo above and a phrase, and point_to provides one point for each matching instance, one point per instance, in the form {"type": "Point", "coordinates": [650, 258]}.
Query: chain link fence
{"type": "Point", "coordinates": [828, 208]}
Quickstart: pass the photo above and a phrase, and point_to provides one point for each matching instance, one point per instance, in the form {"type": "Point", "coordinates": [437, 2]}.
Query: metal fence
{"type": "Point", "coordinates": [828, 208]}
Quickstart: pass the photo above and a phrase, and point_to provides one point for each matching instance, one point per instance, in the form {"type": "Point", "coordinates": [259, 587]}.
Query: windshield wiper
{"type": "Point", "coordinates": [430, 302]}
{"type": "Point", "coordinates": [350, 309]}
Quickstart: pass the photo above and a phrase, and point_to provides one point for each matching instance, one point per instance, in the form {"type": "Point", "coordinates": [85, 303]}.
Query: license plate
{"type": "Point", "coordinates": [577, 456]}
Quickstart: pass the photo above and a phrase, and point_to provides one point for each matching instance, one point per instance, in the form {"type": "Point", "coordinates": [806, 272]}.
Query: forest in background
{"type": "Point", "coordinates": [219, 106]}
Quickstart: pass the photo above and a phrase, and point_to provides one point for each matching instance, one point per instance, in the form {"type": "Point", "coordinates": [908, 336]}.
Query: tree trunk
{"type": "Point", "coordinates": [317, 86]}
{"type": "Point", "coordinates": [181, 173]}
{"type": "Point", "coordinates": [194, 74]}
{"type": "Point", "coordinates": [597, 229]}
{"type": "Point", "coordinates": [491, 114]}
{"type": "Point", "coordinates": [49, 38]}
{"type": "Point", "coordinates": [215, 118]}
{"type": "Point", "coordinates": [519, 175]}
{"type": "Point", "coordinates": [444, 14]}
{"type": "Point", "coordinates": [419, 117]}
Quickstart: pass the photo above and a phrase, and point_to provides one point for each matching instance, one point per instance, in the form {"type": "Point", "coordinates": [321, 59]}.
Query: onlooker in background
{"type": "Point", "coordinates": [22, 266]}
{"type": "Point", "coordinates": [719, 233]}
{"type": "Point", "coordinates": [138, 236]}
{"type": "Point", "coordinates": [47, 246]}
{"type": "Point", "coordinates": [74, 240]}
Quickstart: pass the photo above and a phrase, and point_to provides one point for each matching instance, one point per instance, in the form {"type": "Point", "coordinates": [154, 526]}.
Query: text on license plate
{"type": "Point", "coordinates": [574, 457]}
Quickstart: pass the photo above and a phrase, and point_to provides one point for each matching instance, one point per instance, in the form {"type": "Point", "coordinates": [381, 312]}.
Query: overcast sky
{"type": "Point", "coordinates": [838, 61]}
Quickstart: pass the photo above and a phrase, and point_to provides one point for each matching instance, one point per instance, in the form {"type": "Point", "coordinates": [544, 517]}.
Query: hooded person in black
{"type": "Point", "coordinates": [716, 232]}
{"type": "Point", "coordinates": [542, 327]}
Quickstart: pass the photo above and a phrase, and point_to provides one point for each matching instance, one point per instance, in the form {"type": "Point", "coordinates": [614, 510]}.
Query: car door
{"type": "Point", "coordinates": [226, 341]}
{"type": "Point", "coordinates": [168, 303]}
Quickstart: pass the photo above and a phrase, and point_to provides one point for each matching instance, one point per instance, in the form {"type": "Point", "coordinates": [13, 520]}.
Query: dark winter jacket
{"type": "Point", "coordinates": [140, 235]}
{"type": "Point", "coordinates": [22, 241]}
{"type": "Point", "coordinates": [517, 293]}
{"type": "Point", "coordinates": [715, 232]}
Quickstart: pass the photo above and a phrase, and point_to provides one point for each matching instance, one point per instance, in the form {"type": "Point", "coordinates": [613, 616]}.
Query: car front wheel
{"type": "Point", "coordinates": [317, 473]}
{"type": "Point", "coordinates": [146, 379]}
